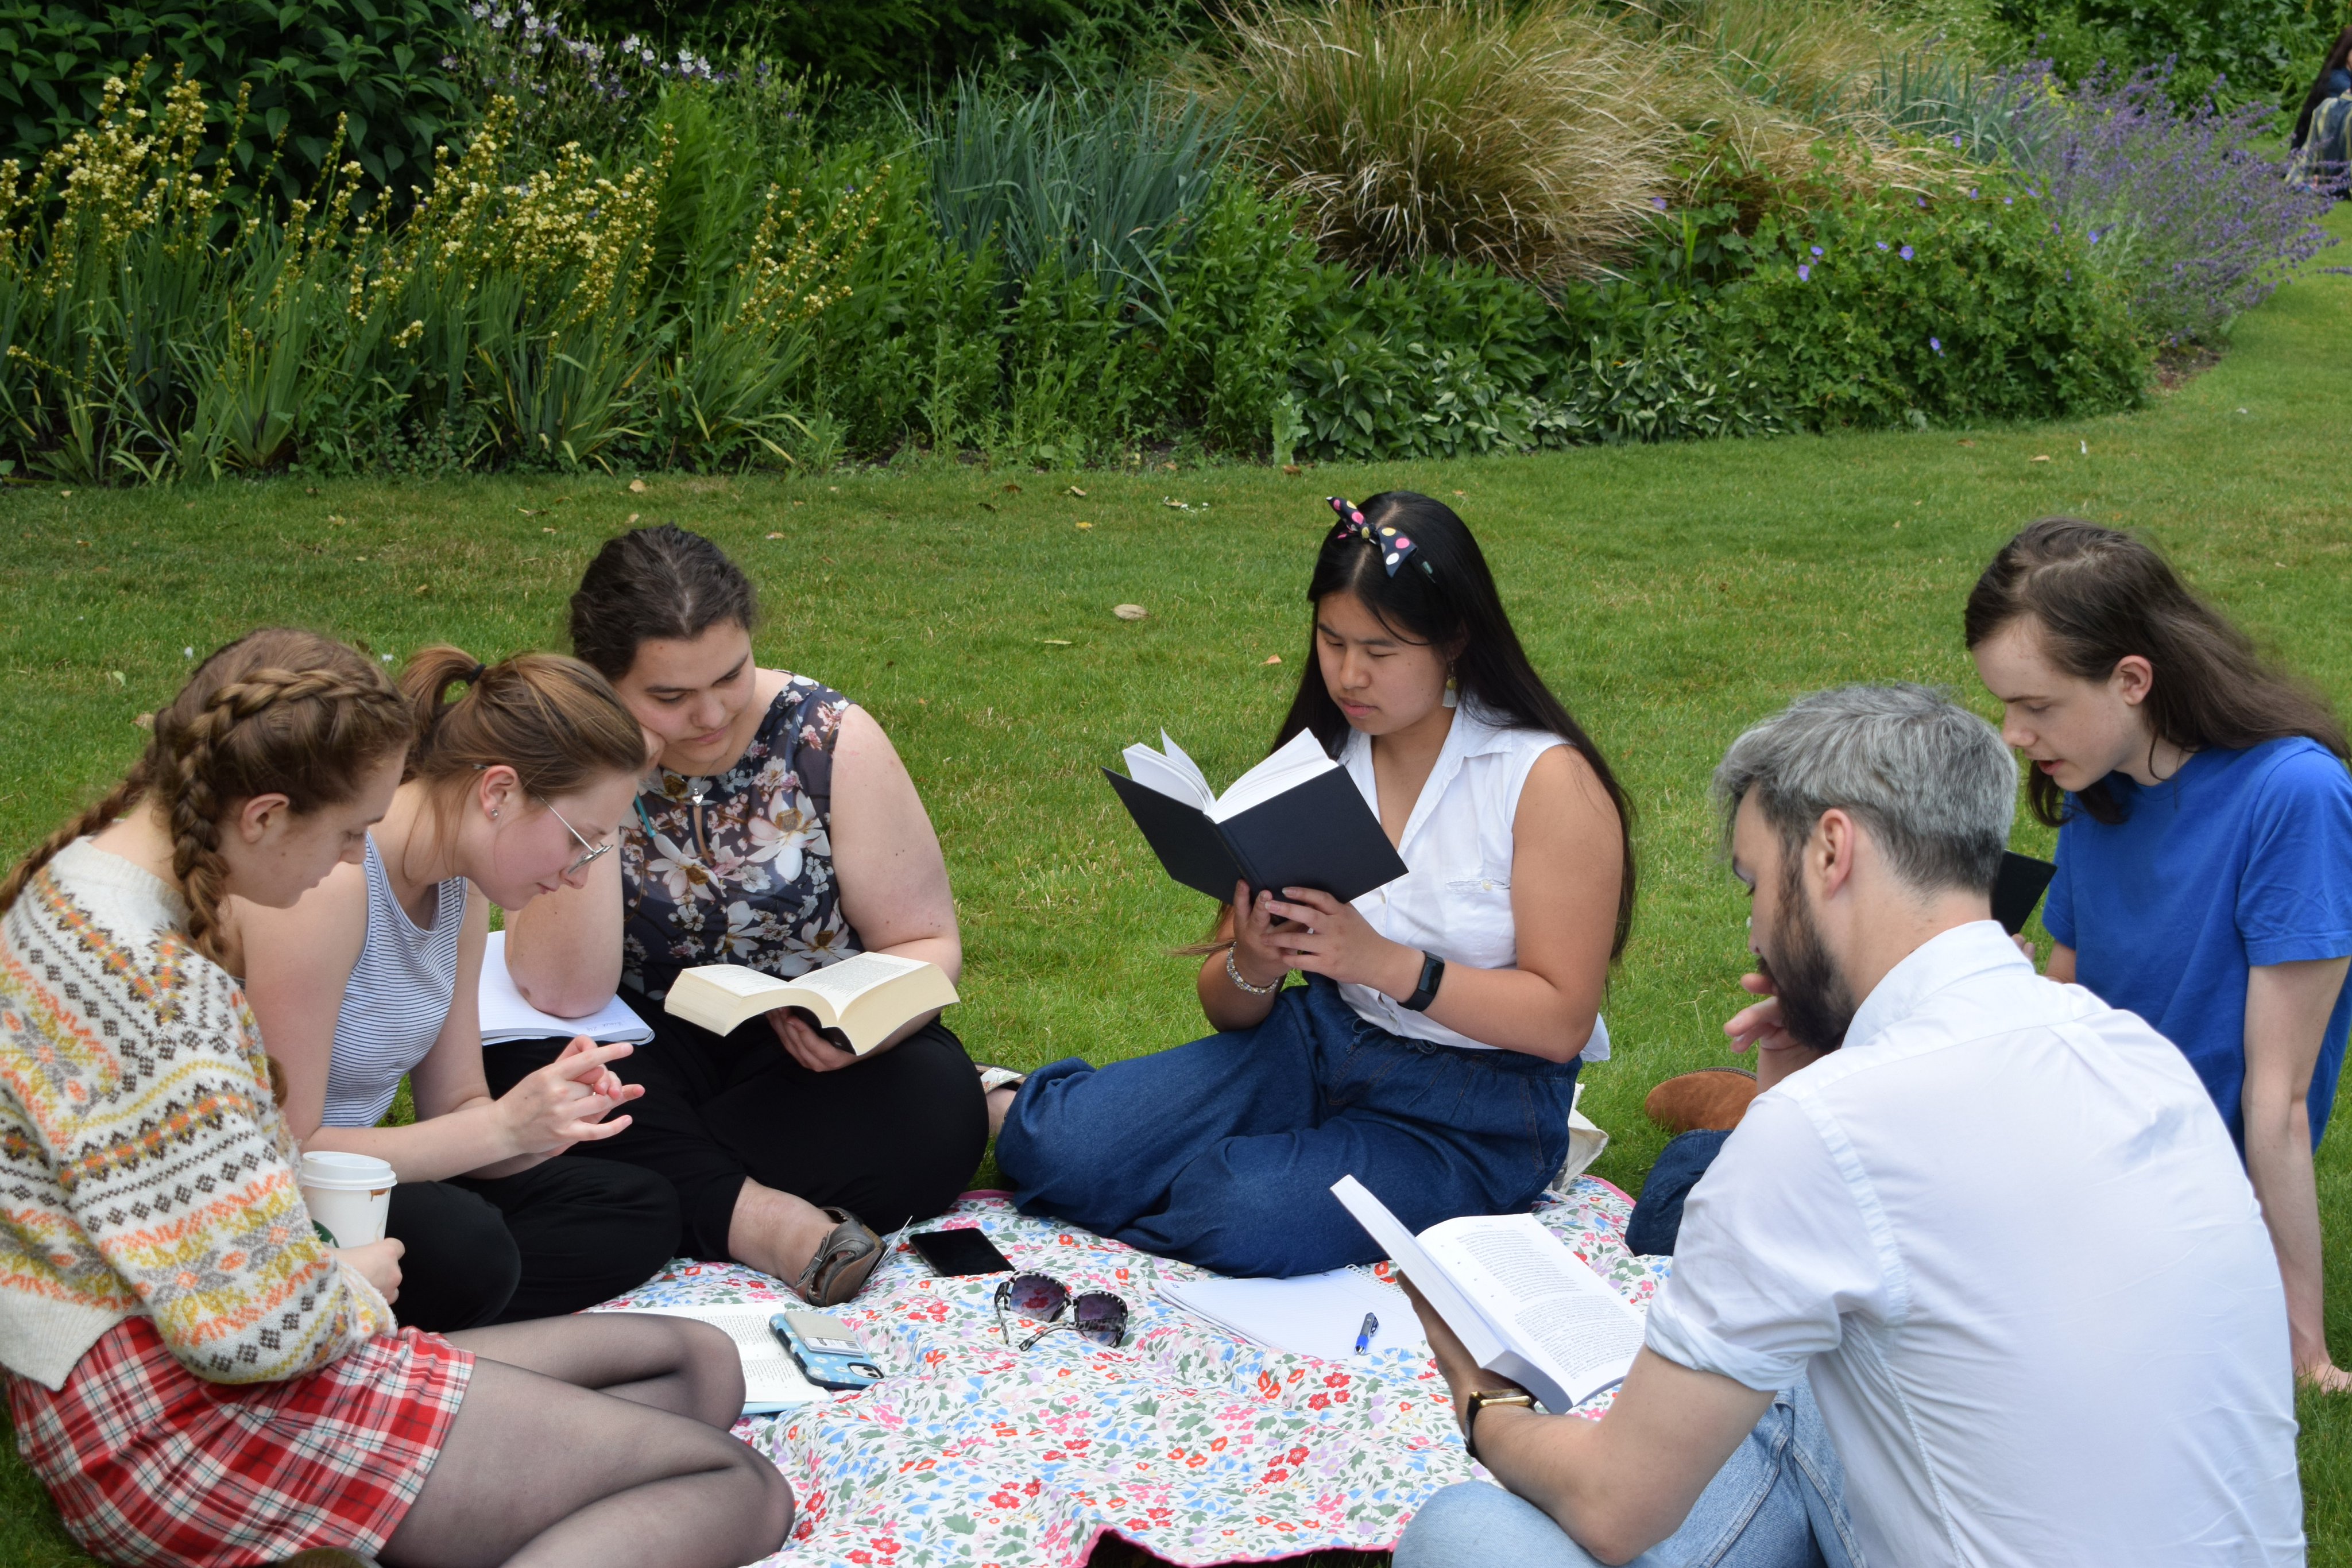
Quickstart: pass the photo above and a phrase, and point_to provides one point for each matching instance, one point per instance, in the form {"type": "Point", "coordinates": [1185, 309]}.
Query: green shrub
{"type": "Point", "coordinates": [2267, 49]}
{"type": "Point", "coordinates": [376, 66]}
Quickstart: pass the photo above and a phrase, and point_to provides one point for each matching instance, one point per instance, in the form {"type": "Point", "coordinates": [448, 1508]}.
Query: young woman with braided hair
{"type": "Point", "coordinates": [167, 1311]}
{"type": "Point", "coordinates": [511, 790]}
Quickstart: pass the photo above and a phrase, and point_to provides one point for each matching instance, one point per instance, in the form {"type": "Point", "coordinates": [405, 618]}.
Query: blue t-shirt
{"type": "Point", "coordinates": [2241, 857]}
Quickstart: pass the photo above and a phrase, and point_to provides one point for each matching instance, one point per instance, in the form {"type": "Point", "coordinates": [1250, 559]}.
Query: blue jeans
{"type": "Point", "coordinates": [1222, 1152]}
{"type": "Point", "coordinates": [1778, 1503]}
{"type": "Point", "coordinates": [1657, 1218]}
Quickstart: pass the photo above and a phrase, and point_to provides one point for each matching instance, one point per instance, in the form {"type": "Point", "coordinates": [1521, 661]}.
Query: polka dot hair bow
{"type": "Point", "coordinates": [1394, 546]}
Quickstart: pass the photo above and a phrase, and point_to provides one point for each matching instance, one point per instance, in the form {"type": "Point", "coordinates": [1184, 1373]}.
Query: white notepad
{"type": "Point", "coordinates": [1315, 1314]}
{"type": "Point", "coordinates": [506, 1016]}
{"type": "Point", "coordinates": [772, 1380]}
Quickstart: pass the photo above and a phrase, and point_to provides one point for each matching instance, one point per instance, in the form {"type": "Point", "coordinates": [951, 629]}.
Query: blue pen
{"type": "Point", "coordinates": [1364, 1335]}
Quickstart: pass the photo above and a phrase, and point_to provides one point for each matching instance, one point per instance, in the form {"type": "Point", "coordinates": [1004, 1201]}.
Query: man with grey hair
{"type": "Point", "coordinates": [1995, 1225]}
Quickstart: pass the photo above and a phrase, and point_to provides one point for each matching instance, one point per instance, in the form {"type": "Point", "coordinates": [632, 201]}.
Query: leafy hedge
{"type": "Point", "coordinates": [2267, 49]}
{"type": "Point", "coordinates": [303, 64]}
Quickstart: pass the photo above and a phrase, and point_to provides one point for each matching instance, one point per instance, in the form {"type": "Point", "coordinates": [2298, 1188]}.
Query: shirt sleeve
{"type": "Point", "coordinates": [1774, 1250]}
{"type": "Point", "coordinates": [2058, 901]}
{"type": "Point", "coordinates": [219, 1249]}
{"type": "Point", "coordinates": [2295, 897]}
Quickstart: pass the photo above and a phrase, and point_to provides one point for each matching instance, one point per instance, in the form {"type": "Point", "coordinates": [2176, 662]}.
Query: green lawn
{"type": "Point", "coordinates": [1671, 593]}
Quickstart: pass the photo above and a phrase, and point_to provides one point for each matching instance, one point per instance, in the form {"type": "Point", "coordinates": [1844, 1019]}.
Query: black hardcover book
{"type": "Point", "coordinates": [1314, 830]}
{"type": "Point", "coordinates": [2019, 888]}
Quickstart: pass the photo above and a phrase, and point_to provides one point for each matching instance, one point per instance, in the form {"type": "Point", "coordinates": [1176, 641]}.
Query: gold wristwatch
{"type": "Point", "coordinates": [1479, 1399]}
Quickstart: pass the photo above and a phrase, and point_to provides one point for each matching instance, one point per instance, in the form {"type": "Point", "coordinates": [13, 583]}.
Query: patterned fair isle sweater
{"type": "Point", "coordinates": [144, 1165]}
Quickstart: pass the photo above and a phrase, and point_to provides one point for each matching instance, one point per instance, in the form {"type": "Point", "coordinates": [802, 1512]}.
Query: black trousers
{"type": "Point", "coordinates": [563, 1235]}
{"type": "Point", "coordinates": [892, 1138]}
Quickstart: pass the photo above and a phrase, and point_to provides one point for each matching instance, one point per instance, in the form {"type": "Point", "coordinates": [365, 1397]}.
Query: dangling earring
{"type": "Point", "coordinates": [1453, 696]}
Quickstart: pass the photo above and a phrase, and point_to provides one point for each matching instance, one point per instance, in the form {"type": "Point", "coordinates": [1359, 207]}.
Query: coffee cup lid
{"type": "Point", "coordinates": [337, 1171]}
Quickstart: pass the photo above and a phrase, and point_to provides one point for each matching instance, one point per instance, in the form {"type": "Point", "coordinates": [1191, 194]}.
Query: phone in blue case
{"type": "Point", "coordinates": [827, 1350]}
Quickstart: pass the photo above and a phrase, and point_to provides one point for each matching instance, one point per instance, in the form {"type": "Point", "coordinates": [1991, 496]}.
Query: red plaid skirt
{"type": "Point", "coordinates": [150, 1464]}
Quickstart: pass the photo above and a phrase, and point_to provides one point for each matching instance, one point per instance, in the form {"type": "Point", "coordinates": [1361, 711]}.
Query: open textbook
{"type": "Point", "coordinates": [772, 1380]}
{"type": "Point", "coordinates": [1295, 820]}
{"type": "Point", "coordinates": [507, 1016]}
{"type": "Point", "coordinates": [857, 1003]}
{"type": "Point", "coordinates": [1520, 1302]}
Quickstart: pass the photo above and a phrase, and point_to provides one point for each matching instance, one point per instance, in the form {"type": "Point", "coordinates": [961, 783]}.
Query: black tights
{"type": "Point", "coordinates": [595, 1440]}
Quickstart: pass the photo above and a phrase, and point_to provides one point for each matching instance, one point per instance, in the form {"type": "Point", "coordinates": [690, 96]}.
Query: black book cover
{"type": "Point", "coordinates": [2019, 888]}
{"type": "Point", "coordinates": [1319, 835]}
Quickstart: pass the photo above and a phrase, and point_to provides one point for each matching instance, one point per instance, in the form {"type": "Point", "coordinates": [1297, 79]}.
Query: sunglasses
{"type": "Point", "coordinates": [1096, 1315]}
{"type": "Point", "coordinates": [590, 852]}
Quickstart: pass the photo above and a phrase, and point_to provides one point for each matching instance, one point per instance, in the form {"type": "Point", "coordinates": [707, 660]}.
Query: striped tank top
{"type": "Point", "coordinates": [396, 1000]}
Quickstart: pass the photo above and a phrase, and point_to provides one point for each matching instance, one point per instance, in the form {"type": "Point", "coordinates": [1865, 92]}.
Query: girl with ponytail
{"type": "Point", "coordinates": [167, 1309]}
{"type": "Point", "coordinates": [517, 777]}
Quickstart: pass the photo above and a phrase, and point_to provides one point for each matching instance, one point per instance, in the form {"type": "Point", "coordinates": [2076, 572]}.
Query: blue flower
{"type": "Point", "coordinates": [1805, 273]}
{"type": "Point", "coordinates": [1955, 141]}
{"type": "Point", "coordinates": [1882, 245]}
{"type": "Point", "coordinates": [1904, 253]}
{"type": "Point", "coordinates": [1936, 344]}
{"type": "Point", "coordinates": [1972, 192]}
{"type": "Point", "coordinates": [1659, 203]}
{"type": "Point", "coordinates": [1817, 250]}
{"type": "Point", "coordinates": [2008, 201]}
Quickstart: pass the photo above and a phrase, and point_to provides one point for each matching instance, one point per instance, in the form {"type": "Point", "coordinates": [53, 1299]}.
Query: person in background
{"type": "Point", "coordinates": [779, 830]}
{"type": "Point", "coordinates": [2334, 80]}
{"type": "Point", "coordinates": [1433, 1051]}
{"type": "Point", "coordinates": [2204, 820]}
{"type": "Point", "coordinates": [199, 1380]}
{"type": "Point", "coordinates": [1998, 1232]}
{"type": "Point", "coordinates": [512, 791]}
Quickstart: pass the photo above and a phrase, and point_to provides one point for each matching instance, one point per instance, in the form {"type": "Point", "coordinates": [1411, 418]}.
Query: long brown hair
{"type": "Point", "coordinates": [553, 719]}
{"type": "Point", "coordinates": [2339, 55]}
{"type": "Point", "coordinates": [2098, 595]}
{"type": "Point", "coordinates": [276, 712]}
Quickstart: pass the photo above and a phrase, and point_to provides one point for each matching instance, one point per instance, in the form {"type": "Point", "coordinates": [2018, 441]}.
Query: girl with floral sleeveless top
{"type": "Point", "coordinates": [778, 831]}
{"type": "Point", "coordinates": [201, 1381]}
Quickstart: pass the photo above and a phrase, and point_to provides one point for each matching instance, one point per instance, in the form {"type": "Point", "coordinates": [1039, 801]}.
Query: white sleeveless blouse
{"type": "Point", "coordinates": [1454, 899]}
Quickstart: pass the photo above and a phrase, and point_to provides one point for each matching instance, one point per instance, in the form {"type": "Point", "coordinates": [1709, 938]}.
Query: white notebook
{"type": "Point", "coordinates": [1315, 1314]}
{"type": "Point", "coordinates": [772, 1380]}
{"type": "Point", "coordinates": [506, 1016]}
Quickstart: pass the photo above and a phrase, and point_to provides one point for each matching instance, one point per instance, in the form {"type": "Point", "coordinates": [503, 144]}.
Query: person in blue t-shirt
{"type": "Point", "coordinates": [2204, 822]}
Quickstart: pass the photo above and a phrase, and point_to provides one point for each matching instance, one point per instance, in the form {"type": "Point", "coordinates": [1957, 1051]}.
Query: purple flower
{"type": "Point", "coordinates": [2008, 201]}
{"type": "Point", "coordinates": [1804, 272]}
{"type": "Point", "coordinates": [1904, 253]}
{"type": "Point", "coordinates": [1955, 141]}
{"type": "Point", "coordinates": [1659, 203]}
{"type": "Point", "coordinates": [1972, 192]}
{"type": "Point", "coordinates": [1882, 245]}
{"type": "Point", "coordinates": [1817, 250]}
{"type": "Point", "coordinates": [1936, 344]}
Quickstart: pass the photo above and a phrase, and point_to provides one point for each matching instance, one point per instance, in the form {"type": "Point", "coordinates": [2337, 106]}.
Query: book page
{"type": "Point", "coordinates": [1299, 760]}
{"type": "Point", "coordinates": [1428, 1274]}
{"type": "Point", "coordinates": [736, 979]}
{"type": "Point", "coordinates": [842, 982]}
{"type": "Point", "coordinates": [1174, 774]}
{"type": "Point", "coordinates": [1526, 1281]}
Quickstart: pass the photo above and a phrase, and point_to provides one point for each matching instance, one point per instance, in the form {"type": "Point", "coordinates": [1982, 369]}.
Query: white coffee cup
{"type": "Point", "coordinates": [349, 1196]}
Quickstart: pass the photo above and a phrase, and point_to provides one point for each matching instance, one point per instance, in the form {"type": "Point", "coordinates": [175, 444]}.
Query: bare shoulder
{"type": "Point", "coordinates": [862, 751]}
{"type": "Point", "coordinates": [1563, 780]}
{"type": "Point", "coordinates": [322, 931]}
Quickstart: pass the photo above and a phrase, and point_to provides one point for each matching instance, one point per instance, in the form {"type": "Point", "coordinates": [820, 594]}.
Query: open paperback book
{"type": "Point", "coordinates": [1295, 820]}
{"type": "Point", "coordinates": [857, 1003]}
{"type": "Point", "coordinates": [506, 1016]}
{"type": "Point", "coordinates": [771, 1379]}
{"type": "Point", "coordinates": [1520, 1302]}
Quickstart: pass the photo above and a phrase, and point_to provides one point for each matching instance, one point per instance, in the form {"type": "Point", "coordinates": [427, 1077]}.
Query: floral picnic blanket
{"type": "Point", "coordinates": [1187, 1440]}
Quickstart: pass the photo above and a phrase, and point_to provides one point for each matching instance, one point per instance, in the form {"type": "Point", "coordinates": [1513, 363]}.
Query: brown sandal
{"type": "Point", "coordinates": [844, 1260]}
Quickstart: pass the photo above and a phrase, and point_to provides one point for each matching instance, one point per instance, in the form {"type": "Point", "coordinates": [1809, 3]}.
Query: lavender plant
{"type": "Point", "coordinates": [2184, 207]}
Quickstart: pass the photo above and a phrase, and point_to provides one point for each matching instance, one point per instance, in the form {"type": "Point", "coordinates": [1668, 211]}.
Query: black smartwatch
{"type": "Point", "coordinates": [1433, 971]}
{"type": "Point", "coordinates": [1479, 1399]}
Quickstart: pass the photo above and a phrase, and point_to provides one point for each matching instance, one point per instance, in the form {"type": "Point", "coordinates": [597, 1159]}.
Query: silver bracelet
{"type": "Point", "coordinates": [1234, 974]}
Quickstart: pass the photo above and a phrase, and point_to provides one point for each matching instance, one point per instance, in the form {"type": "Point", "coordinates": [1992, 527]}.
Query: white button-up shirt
{"type": "Point", "coordinates": [1454, 899]}
{"type": "Point", "coordinates": [2005, 1232]}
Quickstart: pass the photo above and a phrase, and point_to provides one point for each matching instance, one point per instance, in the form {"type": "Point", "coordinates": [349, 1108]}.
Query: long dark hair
{"type": "Point", "coordinates": [2098, 595]}
{"type": "Point", "coordinates": [2339, 55]}
{"type": "Point", "coordinates": [1442, 594]}
{"type": "Point", "coordinates": [655, 584]}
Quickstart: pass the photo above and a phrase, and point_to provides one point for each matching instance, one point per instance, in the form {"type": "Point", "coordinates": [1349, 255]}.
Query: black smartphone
{"type": "Point", "coordinates": [965, 1251]}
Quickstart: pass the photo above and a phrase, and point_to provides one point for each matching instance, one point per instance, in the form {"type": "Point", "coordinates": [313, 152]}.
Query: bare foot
{"type": "Point", "coordinates": [999, 1103]}
{"type": "Point", "coordinates": [2326, 1377]}
{"type": "Point", "coordinates": [775, 1232]}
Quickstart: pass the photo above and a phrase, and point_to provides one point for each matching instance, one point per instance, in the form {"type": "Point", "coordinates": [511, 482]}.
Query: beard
{"type": "Point", "coordinates": [1817, 1006]}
